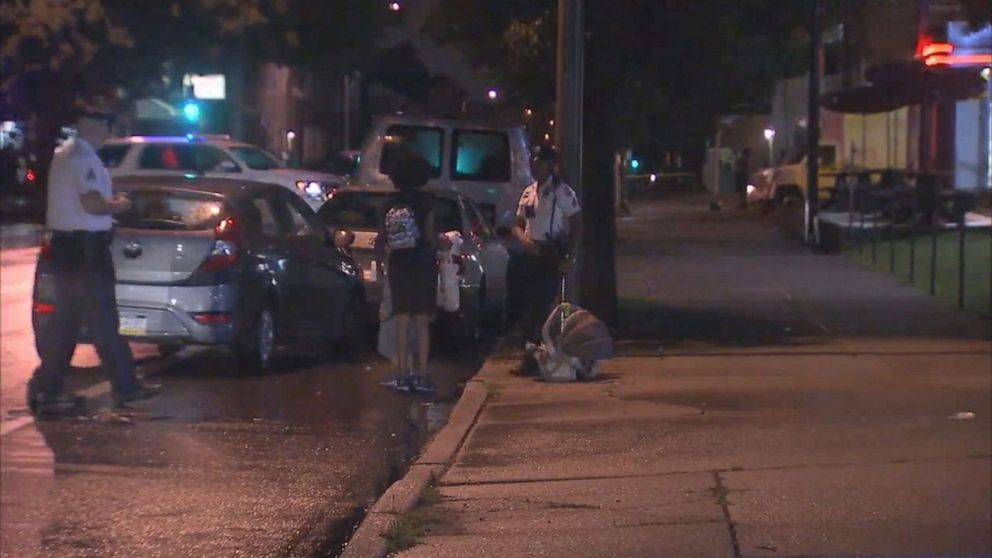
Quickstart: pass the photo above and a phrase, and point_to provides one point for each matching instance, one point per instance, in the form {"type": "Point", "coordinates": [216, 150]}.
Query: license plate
{"type": "Point", "coordinates": [133, 325]}
{"type": "Point", "coordinates": [365, 240]}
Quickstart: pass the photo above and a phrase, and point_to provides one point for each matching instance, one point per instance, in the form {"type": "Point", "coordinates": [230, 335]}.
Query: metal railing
{"type": "Point", "coordinates": [914, 214]}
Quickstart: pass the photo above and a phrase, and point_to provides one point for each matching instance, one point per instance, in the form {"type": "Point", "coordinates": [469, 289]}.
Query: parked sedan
{"type": "Point", "coordinates": [224, 262]}
{"type": "Point", "coordinates": [482, 259]}
{"type": "Point", "coordinates": [214, 157]}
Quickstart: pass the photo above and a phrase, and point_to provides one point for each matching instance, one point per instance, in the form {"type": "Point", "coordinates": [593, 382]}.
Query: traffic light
{"type": "Point", "coordinates": [635, 164]}
{"type": "Point", "coordinates": [191, 111]}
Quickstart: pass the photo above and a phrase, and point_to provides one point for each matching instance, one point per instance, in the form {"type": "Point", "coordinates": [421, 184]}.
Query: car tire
{"type": "Point", "coordinates": [166, 350]}
{"type": "Point", "coordinates": [788, 197]}
{"type": "Point", "coordinates": [256, 349]}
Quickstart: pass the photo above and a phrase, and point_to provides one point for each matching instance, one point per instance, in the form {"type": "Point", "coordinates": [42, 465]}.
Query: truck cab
{"type": "Point", "coordinates": [788, 183]}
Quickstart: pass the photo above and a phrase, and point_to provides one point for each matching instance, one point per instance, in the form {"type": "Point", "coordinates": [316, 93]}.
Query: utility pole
{"type": "Point", "coordinates": [812, 233]}
{"type": "Point", "coordinates": [568, 91]}
{"type": "Point", "coordinates": [568, 119]}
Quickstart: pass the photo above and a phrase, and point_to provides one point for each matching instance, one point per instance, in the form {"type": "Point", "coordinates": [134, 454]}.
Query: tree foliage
{"type": "Point", "coordinates": [672, 64]}
{"type": "Point", "coordinates": [128, 41]}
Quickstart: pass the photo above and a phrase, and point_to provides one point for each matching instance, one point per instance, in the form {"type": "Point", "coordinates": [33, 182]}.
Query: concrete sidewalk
{"type": "Point", "coordinates": [802, 406]}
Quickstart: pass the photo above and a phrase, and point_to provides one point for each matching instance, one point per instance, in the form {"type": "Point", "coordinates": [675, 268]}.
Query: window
{"type": "Point", "coordinates": [186, 158]}
{"type": "Point", "coordinates": [213, 159]}
{"type": "Point", "coordinates": [476, 221]}
{"type": "Point", "coordinates": [260, 218]}
{"type": "Point", "coordinates": [174, 157]}
{"type": "Point", "coordinates": [172, 210]}
{"type": "Point", "coordinates": [354, 210]}
{"type": "Point", "coordinates": [254, 158]}
{"type": "Point", "coordinates": [447, 216]}
{"type": "Point", "coordinates": [480, 156]}
{"type": "Point", "coordinates": [421, 139]}
{"type": "Point", "coordinates": [112, 155]}
{"type": "Point", "coordinates": [291, 220]}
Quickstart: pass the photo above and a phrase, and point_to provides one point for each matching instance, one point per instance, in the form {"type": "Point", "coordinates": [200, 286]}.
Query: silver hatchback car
{"type": "Point", "coordinates": [224, 262]}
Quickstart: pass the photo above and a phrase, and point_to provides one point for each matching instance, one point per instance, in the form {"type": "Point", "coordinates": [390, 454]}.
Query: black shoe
{"type": "Point", "coordinates": [48, 404]}
{"type": "Point", "coordinates": [143, 391]}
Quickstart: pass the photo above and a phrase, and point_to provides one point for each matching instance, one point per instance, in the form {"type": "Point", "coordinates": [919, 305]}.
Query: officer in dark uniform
{"type": "Point", "coordinates": [549, 227]}
{"type": "Point", "coordinates": [80, 204]}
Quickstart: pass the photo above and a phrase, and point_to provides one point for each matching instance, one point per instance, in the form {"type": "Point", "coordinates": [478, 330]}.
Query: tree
{"type": "Point", "coordinates": [656, 71]}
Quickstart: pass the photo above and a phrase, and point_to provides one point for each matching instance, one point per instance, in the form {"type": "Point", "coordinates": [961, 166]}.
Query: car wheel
{"type": "Point", "coordinates": [789, 197]}
{"type": "Point", "coordinates": [169, 349]}
{"type": "Point", "coordinates": [257, 346]}
{"type": "Point", "coordinates": [354, 330]}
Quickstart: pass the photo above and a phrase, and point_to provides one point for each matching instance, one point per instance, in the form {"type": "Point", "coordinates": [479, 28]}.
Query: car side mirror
{"type": "Point", "coordinates": [342, 238]}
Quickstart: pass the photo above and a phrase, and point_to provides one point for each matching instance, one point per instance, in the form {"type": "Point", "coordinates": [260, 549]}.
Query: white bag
{"type": "Point", "coordinates": [448, 294]}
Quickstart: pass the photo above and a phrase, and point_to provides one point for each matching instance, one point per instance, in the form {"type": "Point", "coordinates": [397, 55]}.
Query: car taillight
{"type": "Point", "coordinates": [212, 318]}
{"type": "Point", "coordinates": [46, 247]}
{"type": "Point", "coordinates": [43, 308]}
{"type": "Point", "coordinates": [226, 247]}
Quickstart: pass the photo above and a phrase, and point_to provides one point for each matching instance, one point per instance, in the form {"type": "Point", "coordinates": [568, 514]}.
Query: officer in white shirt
{"type": "Point", "coordinates": [549, 227]}
{"type": "Point", "coordinates": [80, 205]}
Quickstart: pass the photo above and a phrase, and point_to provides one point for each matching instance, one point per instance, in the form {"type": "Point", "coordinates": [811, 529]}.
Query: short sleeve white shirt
{"type": "Point", "coordinates": [538, 204]}
{"type": "Point", "coordinates": [76, 169]}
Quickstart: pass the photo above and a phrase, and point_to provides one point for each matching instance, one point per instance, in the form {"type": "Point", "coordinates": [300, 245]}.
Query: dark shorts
{"type": "Point", "coordinates": [413, 281]}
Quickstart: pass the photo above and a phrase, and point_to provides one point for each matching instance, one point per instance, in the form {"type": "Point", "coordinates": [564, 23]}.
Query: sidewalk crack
{"type": "Point", "coordinates": [720, 493]}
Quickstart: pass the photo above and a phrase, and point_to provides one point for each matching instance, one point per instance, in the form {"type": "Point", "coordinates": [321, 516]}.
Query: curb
{"type": "Point", "coordinates": [403, 494]}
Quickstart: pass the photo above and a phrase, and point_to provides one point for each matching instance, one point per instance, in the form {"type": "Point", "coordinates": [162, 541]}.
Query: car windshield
{"type": "Point", "coordinates": [255, 159]}
{"type": "Point", "coordinates": [363, 210]}
{"type": "Point", "coordinates": [169, 209]}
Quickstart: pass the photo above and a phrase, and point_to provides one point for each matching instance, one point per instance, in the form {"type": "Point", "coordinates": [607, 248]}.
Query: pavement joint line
{"type": "Point", "coordinates": [92, 392]}
{"type": "Point", "coordinates": [734, 469]}
{"type": "Point", "coordinates": [720, 493]}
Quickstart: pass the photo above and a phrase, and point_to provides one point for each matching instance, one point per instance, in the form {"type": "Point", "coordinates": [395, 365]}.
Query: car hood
{"type": "Point", "coordinates": [303, 174]}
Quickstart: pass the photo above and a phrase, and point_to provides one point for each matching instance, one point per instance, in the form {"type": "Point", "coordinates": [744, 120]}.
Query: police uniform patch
{"type": "Point", "coordinates": [91, 175]}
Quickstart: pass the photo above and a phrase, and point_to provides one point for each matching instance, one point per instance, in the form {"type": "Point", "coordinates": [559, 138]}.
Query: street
{"type": "Point", "coordinates": [221, 464]}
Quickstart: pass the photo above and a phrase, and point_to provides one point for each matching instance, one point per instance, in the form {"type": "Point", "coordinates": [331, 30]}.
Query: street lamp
{"type": "Point", "coordinates": [492, 94]}
{"type": "Point", "coordinates": [770, 136]}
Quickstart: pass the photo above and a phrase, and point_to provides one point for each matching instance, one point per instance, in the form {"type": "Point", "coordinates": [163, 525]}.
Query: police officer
{"type": "Point", "coordinates": [549, 228]}
{"type": "Point", "coordinates": [80, 205]}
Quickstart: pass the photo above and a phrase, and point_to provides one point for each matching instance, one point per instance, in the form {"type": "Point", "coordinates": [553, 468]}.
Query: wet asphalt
{"type": "Point", "coordinates": [223, 463]}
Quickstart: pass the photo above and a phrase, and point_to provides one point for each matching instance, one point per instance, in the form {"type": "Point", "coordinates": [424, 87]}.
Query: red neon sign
{"type": "Point", "coordinates": [933, 49]}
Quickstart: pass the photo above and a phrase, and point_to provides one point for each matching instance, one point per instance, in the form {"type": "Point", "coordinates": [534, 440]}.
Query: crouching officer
{"type": "Point", "coordinates": [549, 227]}
{"type": "Point", "coordinates": [80, 205]}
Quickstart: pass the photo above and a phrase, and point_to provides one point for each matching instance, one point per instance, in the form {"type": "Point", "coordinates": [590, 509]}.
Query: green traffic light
{"type": "Point", "coordinates": [635, 164]}
{"type": "Point", "coordinates": [191, 111]}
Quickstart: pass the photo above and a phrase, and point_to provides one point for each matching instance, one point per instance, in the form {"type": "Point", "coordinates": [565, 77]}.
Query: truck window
{"type": "Point", "coordinates": [422, 139]}
{"type": "Point", "coordinates": [480, 156]}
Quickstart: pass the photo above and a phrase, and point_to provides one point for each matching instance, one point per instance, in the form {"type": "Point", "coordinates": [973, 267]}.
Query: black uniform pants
{"type": "Point", "coordinates": [540, 282]}
{"type": "Point", "coordinates": [84, 284]}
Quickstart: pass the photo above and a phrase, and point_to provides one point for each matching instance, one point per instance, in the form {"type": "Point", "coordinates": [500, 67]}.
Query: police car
{"type": "Point", "coordinates": [215, 157]}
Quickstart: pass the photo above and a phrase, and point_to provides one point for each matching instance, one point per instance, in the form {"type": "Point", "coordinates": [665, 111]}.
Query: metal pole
{"type": "Point", "coordinates": [961, 233]}
{"type": "Point", "coordinates": [813, 126]}
{"type": "Point", "coordinates": [892, 243]}
{"type": "Point", "coordinates": [874, 231]}
{"type": "Point", "coordinates": [912, 235]}
{"type": "Point", "coordinates": [933, 255]}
